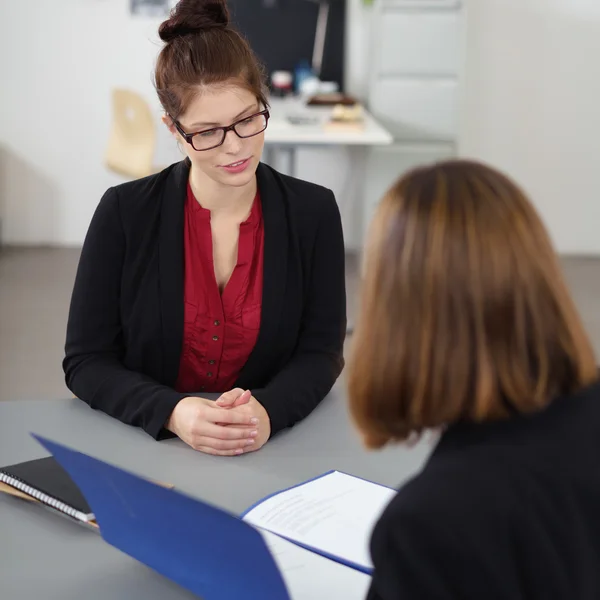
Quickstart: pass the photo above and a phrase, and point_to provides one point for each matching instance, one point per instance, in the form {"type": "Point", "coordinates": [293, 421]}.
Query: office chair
{"type": "Point", "coordinates": [132, 139]}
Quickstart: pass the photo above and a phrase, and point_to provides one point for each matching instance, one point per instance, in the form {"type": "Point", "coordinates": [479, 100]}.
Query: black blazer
{"type": "Point", "coordinates": [125, 328]}
{"type": "Point", "coordinates": [502, 511]}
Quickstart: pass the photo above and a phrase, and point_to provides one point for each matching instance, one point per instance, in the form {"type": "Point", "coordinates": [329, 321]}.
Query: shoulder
{"type": "Point", "coordinates": [147, 190]}
{"type": "Point", "coordinates": [457, 496]}
{"type": "Point", "coordinates": [303, 198]}
{"type": "Point", "coordinates": [133, 199]}
{"type": "Point", "coordinates": [444, 518]}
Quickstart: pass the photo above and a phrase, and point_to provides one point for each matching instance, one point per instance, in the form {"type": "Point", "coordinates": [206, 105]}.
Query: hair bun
{"type": "Point", "coordinates": [194, 16]}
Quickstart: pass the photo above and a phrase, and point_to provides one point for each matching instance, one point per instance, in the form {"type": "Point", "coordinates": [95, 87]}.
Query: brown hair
{"type": "Point", "coordinates": [465, 314]}
{"type": "Point", "coordinates": [201, 48]}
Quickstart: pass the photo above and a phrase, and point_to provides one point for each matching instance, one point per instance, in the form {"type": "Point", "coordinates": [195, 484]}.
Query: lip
{"type": "Point", "coordinates": [242, 166]}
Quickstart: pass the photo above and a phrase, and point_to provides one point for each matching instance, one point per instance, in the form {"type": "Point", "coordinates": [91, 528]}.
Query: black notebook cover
{"type": "Point", "coordinates": [47, 476]}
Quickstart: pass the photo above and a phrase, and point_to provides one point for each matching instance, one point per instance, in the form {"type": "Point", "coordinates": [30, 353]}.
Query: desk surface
{"type": "Point", "coordinates": [45, 556]}
{"type": "Point", "coordinates": [281, 131]}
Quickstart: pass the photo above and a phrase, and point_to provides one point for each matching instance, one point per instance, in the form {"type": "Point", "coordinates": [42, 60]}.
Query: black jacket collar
{"type": "Point", "coordinates": [554, 421]}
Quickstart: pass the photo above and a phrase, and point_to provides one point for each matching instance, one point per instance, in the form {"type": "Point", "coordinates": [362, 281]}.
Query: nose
{"type": "Point", "coordinates": [232, 143]}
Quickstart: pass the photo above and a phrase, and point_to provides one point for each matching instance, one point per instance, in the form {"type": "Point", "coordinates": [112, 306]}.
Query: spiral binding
{"type": "Point", "coordinates": [45, 498]}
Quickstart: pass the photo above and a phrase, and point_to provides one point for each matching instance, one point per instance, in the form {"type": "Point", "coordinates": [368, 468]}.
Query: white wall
{"type": "Point", "coordinates": [59, 61]}
{"type": "Point", "coordinates": [531, 106]}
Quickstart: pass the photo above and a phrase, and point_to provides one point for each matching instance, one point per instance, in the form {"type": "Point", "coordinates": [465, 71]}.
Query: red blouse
{"type": "Point", "coordinates": [220, 330]}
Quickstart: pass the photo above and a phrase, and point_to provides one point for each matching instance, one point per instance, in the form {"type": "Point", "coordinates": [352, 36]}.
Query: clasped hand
{"type": "Point", "coordinates": [233, 424]}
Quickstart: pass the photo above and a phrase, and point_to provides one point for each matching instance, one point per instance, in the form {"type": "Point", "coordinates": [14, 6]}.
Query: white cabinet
{"type": "Point", "coordinates": [414, 108]}
{"type": "Point", "coordinates": [418, 43]}
{"type": "Point", "coordinates": [415, 61]}
{"type": "Point", "coordinates": [421, 4]}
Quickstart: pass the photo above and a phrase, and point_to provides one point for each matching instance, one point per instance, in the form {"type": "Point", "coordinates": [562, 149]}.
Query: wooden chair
{"type": "Point", "coordinates": [132, 139]}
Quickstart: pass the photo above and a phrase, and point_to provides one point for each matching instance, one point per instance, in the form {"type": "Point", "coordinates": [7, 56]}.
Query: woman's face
{"type": "Point", "coordinates": [234, 162]}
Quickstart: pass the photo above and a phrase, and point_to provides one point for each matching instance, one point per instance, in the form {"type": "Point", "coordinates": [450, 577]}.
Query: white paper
{"type": "Point", "coordinates": [309, 576]}
{"type": "Point", "coordinates": [333, 514]}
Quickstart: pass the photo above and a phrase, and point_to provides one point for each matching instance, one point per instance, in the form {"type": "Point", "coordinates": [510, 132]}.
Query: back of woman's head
{"type": "Point", "coordinates": [202, 49]}
{"type": "Point", "coordinates": [465, 314]}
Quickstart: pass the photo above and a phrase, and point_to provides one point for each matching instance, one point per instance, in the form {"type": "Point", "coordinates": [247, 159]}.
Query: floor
{"type": "Point", "coordinates": [35, 287]}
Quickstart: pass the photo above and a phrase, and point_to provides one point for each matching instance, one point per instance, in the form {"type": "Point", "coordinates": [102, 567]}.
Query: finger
{"type": "Point", "coordinates": [229, 417]}
{"type": "Point", "coordinates": [229, 398]}
{"type": "Point", "coordinates": [208, 450]}
{"type": "Point", "coordinates": [227, 432]}
{"type": "Point", "coordinates": [223, 445]}
{"type": "Point", "coordinates": [242, 399]}
{"type": "Point", "coordinates": [234, 398]}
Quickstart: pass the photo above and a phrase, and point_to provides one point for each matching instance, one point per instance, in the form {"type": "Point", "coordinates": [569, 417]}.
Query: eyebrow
{"type": "Point", "coordinates": [247, 109]}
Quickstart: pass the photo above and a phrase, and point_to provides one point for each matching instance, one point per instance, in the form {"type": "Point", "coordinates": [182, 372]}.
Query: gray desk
{"type": "Point", "coordinates": [45, 556]}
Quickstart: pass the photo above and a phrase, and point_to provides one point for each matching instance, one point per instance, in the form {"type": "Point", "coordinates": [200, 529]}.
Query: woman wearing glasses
{"type": "Point", "coordinates": [217, 274]}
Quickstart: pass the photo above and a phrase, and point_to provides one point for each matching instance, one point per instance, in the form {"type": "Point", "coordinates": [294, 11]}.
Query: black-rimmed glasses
{"type": "Point", "coordinates": [212, 138]}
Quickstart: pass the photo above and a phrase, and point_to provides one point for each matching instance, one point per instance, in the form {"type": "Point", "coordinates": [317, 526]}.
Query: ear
{"type": "Point", "coordinates": [166, 119]}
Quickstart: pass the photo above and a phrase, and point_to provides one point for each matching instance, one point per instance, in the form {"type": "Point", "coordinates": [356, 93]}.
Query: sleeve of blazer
{"type": "Point", "coordinates": [309, 376]}
{"type": "Point", "coordinates": [93, 365]}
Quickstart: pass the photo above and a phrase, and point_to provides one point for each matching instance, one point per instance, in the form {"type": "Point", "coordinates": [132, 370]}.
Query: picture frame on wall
{"type": "Point", "coordinates": [151, 8]}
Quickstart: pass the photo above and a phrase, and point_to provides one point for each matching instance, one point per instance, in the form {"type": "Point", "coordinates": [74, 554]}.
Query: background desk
{"type": "Point", "coordinates": [45, 556]}
{"type": "Point", "coordinates": [282, 135]}
{"type": "Point", "coordinates": [334, 158]}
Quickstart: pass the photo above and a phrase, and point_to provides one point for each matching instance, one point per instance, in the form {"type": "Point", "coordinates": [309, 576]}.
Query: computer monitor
{"type": "Point", "coordinates": [282, 33]}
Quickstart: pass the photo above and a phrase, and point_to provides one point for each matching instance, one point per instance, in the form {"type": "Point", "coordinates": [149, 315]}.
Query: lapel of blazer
{"type": "Point", "coordinates": [171, 268]}
{"type": "Point", "coordinates": [274, 274]}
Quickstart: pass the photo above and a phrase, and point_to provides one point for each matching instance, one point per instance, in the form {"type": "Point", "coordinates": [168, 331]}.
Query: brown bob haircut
{"type": "Point", "coordinates": [464, 312]}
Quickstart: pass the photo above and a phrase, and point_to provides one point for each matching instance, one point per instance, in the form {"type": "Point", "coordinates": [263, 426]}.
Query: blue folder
{"type": "Point", "coordinates": [186, 540]}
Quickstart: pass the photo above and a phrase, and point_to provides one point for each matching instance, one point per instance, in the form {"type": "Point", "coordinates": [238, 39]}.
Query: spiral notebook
{"type": "Point", "coordinates": [45, 481]}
